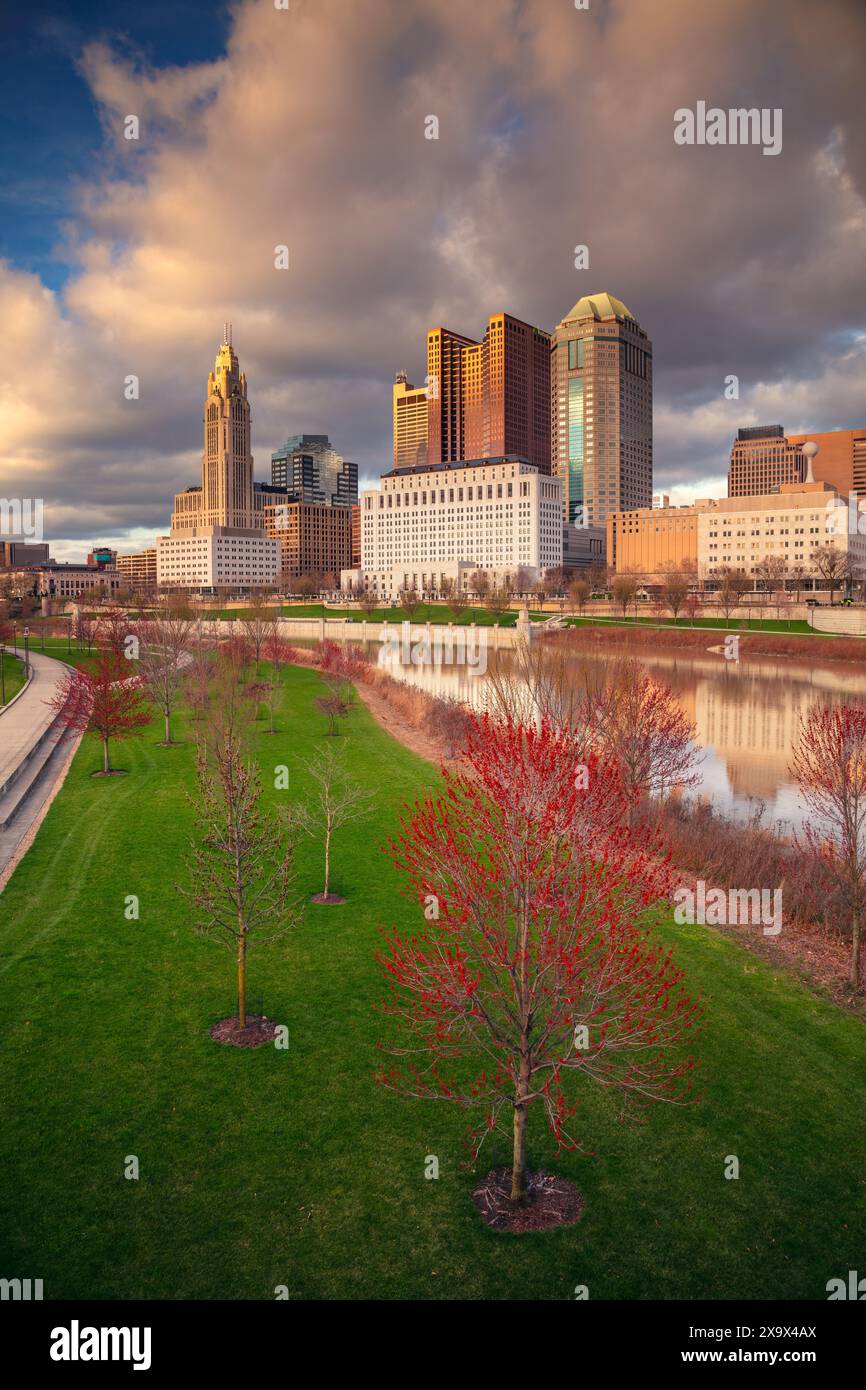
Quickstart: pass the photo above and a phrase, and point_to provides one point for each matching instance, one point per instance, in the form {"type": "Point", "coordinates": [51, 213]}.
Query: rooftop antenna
{"type": "Point", "coordinates": [225, 331]}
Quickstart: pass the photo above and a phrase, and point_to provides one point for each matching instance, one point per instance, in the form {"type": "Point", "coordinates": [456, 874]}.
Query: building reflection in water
{"type": "Point", "coordinates": [746, 714]}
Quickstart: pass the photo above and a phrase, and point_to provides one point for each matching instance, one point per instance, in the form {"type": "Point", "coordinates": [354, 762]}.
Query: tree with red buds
{"type": "Point", "coordinates": [106, 701]}
{"type": "Point", "coordinates": [537, 970]}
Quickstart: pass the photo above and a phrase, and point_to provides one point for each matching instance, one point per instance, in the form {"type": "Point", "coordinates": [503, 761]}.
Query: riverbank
{"type": "Point", "coordinates": [723, 852]}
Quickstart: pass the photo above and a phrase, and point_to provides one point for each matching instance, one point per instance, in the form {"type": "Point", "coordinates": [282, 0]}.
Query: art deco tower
{"type": "Point", "coordinates": [227, 463]}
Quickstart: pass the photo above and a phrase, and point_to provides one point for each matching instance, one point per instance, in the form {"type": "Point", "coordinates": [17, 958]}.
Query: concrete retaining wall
{"type": "Point", "coordinates": [344, 630]}
{"type": "Point", "coordinates": [851, 621]}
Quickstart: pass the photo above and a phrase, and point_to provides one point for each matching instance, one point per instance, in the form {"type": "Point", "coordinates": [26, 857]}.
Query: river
{"type": "Point", "coordinates": [746, 714]}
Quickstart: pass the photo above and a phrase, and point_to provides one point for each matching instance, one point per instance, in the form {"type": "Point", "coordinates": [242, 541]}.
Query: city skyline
{"type": "Point", "coordinates": [115, 263]}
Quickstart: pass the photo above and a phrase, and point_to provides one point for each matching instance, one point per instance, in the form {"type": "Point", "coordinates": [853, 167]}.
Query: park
{"type": "Point", "coordinates": [265, 1167]}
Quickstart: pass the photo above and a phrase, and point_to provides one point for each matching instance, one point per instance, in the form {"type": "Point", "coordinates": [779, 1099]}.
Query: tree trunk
{"type": "Point", "coordinates": [242, 979]}
{"type": "Point", "coordinates": [518, 1165]}
{"type": "Point", "coordinates": [167, 713]}
{"type": "Point", "coordinates": [106, 764]}
{"type": "Point", "coordinates": [855, 951]}
{"type": "Point", "coordinates": [327, 858]}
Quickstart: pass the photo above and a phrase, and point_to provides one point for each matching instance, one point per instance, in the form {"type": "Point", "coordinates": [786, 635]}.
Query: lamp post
{"type": "Point", "coordinates": [2, 671]}
{"type": "Point", "coordinates": [26, 654]}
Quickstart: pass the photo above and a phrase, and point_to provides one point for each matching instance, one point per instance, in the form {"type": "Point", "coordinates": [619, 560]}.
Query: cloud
{"type": "Point", "coordinates": [555, 128]}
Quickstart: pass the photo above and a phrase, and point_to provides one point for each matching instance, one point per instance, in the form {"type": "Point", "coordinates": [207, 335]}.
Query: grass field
{"type": "Point", "coordinates": [732, 624]}
{"type": "Point", "coordinates": [260, 1168]}
{"type": "Point", "coordinates": [13, 675]}
{"type": "Point", "coordinates": [425, 612]}
{"type": "Point", "coordinates": [438, 613]}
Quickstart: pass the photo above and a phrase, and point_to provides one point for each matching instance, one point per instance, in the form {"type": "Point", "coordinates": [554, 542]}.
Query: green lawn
{"type": "Point", "coordinates": [732, 624]}
{"type": "Point", "coordinates": [264, 1167]}
{"type": "Point", "coordinates": [425, 612]}
{"type": "Point", "coordinates": [13, 674]}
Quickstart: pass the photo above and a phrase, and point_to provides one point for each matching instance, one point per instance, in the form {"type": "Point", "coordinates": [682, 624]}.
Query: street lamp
{"type": "Point", "coordinates": [26, 654]}
{"type": "Point", "coordinates": [2, 671]}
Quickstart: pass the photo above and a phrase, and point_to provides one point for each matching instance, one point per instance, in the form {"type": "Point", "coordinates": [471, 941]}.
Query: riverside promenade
{"type": "Point", "coordinates": [32, 764]}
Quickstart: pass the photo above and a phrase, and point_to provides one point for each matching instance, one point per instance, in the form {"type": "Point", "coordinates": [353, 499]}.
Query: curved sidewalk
{"type": "Point", "coordinates": [24, 722]}
{"type": "Point", "coordinates": [29, 771]}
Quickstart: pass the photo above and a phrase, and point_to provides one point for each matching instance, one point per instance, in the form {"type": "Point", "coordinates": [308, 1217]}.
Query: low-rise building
{"type": "Point", "coordinates": [217, 557]}
{"type": "Point", "coordinates": [70, 581]}
{"type": "Point", "coordinates": [17, 554]}
{"type": "Point", "coordinates": [713, 535]}
{"type": "Point", "coordinates": [139, 569]}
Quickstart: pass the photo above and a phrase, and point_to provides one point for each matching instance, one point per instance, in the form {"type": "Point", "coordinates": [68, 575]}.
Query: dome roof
{"type": "Point", "coordinates": [599, 306]}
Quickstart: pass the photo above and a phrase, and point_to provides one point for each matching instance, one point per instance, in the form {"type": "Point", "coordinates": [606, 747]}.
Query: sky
{"type": "Point", "coordinates": [305, 127]}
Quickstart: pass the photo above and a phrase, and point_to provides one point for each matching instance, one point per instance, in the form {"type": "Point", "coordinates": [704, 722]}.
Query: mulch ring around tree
{"type": "Point", "coordinates": [258, 1031]}
{"type": "Point", "coordinates": [550, 1201]}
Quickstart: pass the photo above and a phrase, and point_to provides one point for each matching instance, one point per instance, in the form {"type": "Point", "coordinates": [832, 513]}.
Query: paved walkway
{"type": "Point", "coordinates": [23, 723]}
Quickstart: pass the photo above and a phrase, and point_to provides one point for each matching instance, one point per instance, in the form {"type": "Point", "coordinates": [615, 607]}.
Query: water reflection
{"type": "Point", "coordinates": [746, 714]}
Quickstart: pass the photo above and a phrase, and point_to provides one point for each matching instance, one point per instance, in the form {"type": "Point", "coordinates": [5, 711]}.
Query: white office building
{"type": "Point", "coordinates": [214, 558]}
{"type": "Point", "coordinates": [423, 526]}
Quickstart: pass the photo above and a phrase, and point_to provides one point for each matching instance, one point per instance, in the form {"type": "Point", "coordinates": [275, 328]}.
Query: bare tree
{"type": "Point", "coordinates": [369, 602]}
{"type": "Point", "coordinates": [624, 590]}
{"type": "Point", "coordinates": [455, 599]}
{"type": "Point", "coordinates": [829, 766]}
{"type": "Point", "coordinates": [732, 588]}
{"type": "Point", "coordinates": [241, 868]}
{"type": "Point", "coordinates": [338, 801]}
{"type": "Point", "coordinates": [675, 589]}
{"type": "Point", "coordinates": [832, 565]}
{"type": "Point", "coordinates": [337, 703]}
{"type": "Point", "coordinates": [480, 583]}
{"type": "Point", "coordinates": [258, 625]}
{"type": "Point", "coordinates": [410, 601]}
{"type": "Point", "coordinates": [578, 595]}
{"type": "Point", "coordinates": [497, 602]}
{"type": "Point", "coordinates": [542, 681]}
{"type": "Point", "coordinates": [639, 721]}
{"type": "Point", "coordinates": [164, 643]}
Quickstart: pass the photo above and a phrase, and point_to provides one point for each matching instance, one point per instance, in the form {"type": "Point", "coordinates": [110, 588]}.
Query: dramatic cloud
{"type": "Point", "coordinates": [555, 128]}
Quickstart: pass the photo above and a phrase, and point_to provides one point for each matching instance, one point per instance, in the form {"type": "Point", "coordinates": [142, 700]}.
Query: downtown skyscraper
{"type": "Point", "coordinates": [489, 399]}
{"type": "Point", "coordinates": [601, 410]}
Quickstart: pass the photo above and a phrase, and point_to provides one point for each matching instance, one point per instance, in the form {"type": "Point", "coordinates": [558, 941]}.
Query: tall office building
{"type": "Point", "coordinates": [765, 458]}
{"type": "Point", "coordinates": [314, 539]}
{"type": "Point", "coordinates": [310, 469]}
{"type": "Point", "coordinates": [601, 410]}
{"type": "Point", "coordinates": [216, 538]}
{"type": "Point", "coordinates": [227, 476]}
{"type": "Point", "coordinates": [491, 398]}
{"type": "Point", "coordinates": [445, 395]}
{"type": "Point", "coordinates": [410, 423]}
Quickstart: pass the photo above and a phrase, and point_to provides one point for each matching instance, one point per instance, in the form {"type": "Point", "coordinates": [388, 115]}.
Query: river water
{"type": "Point", "coordinates": [746, 714]}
